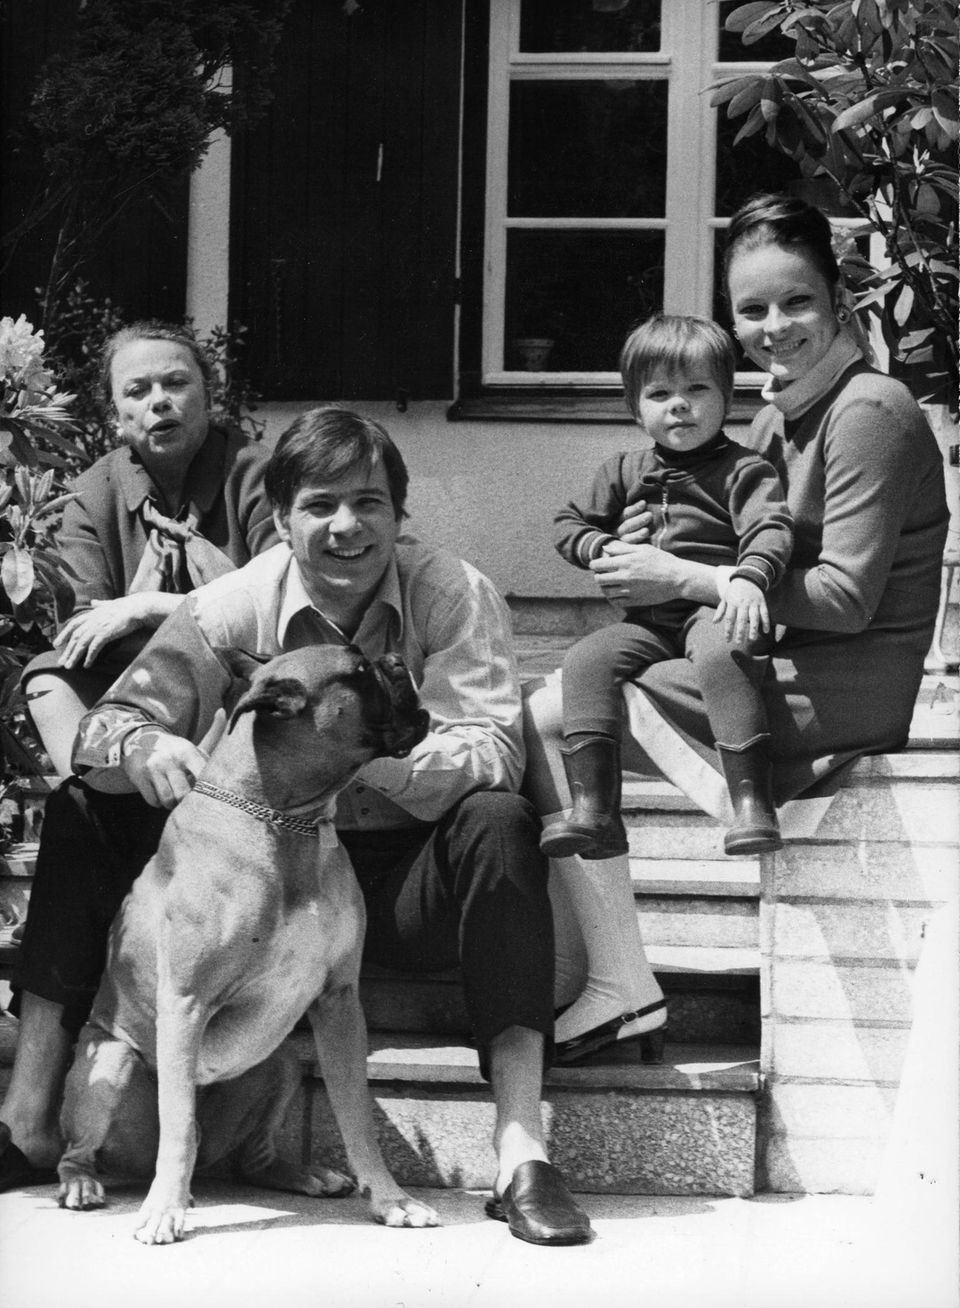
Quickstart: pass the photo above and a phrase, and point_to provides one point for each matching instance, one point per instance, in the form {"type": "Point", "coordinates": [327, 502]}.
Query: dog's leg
{"type": "Point", "coordinates": [242, 1119]}
{"type": "Point", "coordinates": [341, 1037]}
{"type": "Point", "coordinates": [180, 1022]}
{"type": "Point", "coordinates": [109, 1111]}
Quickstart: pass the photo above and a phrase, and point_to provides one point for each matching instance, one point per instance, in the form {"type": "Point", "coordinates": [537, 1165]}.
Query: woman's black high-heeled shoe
{"type": "Point", "coordinates": [614, 1032]}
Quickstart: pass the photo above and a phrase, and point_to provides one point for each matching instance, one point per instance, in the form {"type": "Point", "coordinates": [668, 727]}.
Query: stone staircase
{"type": "Point", "coordinates": [715, 1118]}
{"type": "Point", "coordinates": [616, 1124]}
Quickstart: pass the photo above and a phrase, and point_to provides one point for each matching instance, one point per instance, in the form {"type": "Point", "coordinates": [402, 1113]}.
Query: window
{"type": "Point", "coordinates": [609, 177]}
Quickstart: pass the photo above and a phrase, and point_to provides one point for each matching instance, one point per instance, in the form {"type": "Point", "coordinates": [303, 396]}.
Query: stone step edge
{"type": "Point", "coordinates": [680, 960]}
{"type": "Point", "coordinates": [400, 1058]}
{"type": "Point", "coordinates": [697, 877]}
{"type": "Point", "coordinates": [675, 960]}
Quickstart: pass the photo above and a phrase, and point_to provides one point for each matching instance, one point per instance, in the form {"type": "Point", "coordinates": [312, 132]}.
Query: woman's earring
{"type": "Point", "coordinates": [843, 314]}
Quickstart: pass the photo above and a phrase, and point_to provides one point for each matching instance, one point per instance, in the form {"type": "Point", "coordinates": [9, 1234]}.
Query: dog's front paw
{"type": "Point", "coordinates": [403, 1210]}
{"type": "Point", "coordinates": [81, 1193]}
{"type": "Point", "coordinates": [162, 1222]}
{"type": "Point", "coordinates": [164, 1227]}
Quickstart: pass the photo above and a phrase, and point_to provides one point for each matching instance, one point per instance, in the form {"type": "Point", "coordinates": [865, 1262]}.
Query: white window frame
{"type": "Point", "coordinates": [687, 62]}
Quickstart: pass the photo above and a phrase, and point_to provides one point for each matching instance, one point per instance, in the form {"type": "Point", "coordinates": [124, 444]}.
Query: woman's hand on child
{"type": "Point", "coordinates": [630, 575]}
{"type": "Point", "coordinates": [743, 611]}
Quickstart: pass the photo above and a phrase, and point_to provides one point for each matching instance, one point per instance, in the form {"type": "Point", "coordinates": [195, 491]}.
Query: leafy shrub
{"type": "Point", "coordinates": [868, 100]}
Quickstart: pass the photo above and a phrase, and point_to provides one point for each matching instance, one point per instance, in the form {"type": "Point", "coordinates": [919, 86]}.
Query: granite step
{"type": "Point", "coordinates": [615, 1126]}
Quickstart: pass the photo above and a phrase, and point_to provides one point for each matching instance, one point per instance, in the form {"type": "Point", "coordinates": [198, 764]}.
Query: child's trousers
{"type": "Point", "coordinates": [595, 669]}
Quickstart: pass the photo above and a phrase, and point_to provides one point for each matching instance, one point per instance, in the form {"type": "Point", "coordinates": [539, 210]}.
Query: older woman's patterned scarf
{"type": "Point", "coordinates": [176, 558]}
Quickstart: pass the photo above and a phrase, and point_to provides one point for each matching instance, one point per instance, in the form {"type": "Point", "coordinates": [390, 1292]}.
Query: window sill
{"type": "Point", "coordinates": [516, 405]}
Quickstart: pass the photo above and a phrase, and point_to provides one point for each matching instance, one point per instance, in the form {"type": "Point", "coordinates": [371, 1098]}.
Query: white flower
{"type": "Point", "coordinates": [21, 354]}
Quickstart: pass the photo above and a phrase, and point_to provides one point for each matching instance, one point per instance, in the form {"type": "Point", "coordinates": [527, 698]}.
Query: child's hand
{"type": "Point", "coordinates": [743, 612]}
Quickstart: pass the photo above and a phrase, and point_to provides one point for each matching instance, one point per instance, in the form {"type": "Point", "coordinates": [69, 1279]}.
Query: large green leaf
{"type": "Point", "coordinates": [868, 108]}
{"type": "Point", "coordinates": [17, 574]}
{"type": "Point", "coordinates": [749, 14]}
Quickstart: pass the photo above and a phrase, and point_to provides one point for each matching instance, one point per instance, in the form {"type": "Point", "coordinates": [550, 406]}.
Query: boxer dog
{"type": "Point", "coordinates": [248, 915]}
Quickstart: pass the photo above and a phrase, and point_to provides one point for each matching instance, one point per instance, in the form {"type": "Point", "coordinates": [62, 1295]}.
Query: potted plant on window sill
{"type": "Point", "coordinates": [541, 324]}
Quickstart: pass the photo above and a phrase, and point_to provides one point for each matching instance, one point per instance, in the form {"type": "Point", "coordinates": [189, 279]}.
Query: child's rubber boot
{"type": "Point", "coordinates": [593, 828]}
{"type": "Point", "coordinates": [749, 777]}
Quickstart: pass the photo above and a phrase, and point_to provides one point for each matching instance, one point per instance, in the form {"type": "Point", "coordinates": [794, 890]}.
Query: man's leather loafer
{"type": "Point", "coordinates": [538, 1207]}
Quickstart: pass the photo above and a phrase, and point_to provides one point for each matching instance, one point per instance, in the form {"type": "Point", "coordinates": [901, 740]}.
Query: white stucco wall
{"type": "Point", "coordinates": [489, 490]}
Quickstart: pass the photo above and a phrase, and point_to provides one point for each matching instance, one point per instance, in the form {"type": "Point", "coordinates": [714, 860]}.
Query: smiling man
{"type": "Point", "coordinates": [445, 850]}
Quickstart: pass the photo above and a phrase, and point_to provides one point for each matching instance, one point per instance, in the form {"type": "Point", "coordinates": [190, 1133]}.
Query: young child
{"type": "Point", "coordinates": [712, 501]}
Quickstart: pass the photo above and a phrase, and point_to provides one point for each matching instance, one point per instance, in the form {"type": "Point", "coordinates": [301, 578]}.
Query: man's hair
{"type": "Point", "coordinates": [324, 445]}
{"type": "Point", "coordinates": [675, 343]}
{"type": "Point", "coordinates": [151, 329]}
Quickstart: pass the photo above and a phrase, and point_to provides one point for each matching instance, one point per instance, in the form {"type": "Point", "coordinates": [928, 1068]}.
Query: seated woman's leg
{"type": "Point", "coordinates": [92, 847]}
{"type": "Point", "coordinates": [56, 705]}
{"type": "Point", "coordinates": [620, 998]}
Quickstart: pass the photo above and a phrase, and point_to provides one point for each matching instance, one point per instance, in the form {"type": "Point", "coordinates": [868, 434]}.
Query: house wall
{"type": "Point", "coordinates": [489, 490]}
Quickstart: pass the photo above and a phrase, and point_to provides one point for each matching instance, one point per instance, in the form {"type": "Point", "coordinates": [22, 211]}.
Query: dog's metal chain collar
{"type": "Point", "coordinates": [275, 817]}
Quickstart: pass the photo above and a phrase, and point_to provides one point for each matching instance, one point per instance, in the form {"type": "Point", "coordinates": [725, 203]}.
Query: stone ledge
{"type": "Point", "coordinates": [618, 1142]}
{"type": "Point", "coordinates": [822, 1110]}
{"type": "Point", "coordinates": [821, 1166]}
{"type": "Point", "coordinates": [839, 1051]}
{"type": "Point", "coordinates": [801, 988]}
{"type": "Point", "coordinates": [402, 1059]}
{"type": "Point", "coordinates": [714, 878]}
{"type": "Point", "coordinates": [875, 931]}
{"type": "Point", "coordinates": [864, 872]}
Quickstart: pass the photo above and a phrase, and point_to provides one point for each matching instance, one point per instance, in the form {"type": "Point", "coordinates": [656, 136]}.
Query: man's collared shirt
{"type": "Point", "coordinates": [438, 612]}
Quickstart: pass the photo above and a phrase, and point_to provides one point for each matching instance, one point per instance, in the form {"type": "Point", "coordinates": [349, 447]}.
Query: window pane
{"type": "Point", "coordinates": [581, 290]}
{"type": "Point", "coordinates": [587, 149]}
{"type": "Point", "coordinates": [748, 167]}
{"type": "Point", "coordinates": [567, 26]}
{"type": "Point", "coordinates": [731, 49]}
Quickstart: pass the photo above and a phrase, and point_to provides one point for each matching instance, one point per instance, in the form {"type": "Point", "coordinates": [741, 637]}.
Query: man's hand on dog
{"type": "Point", "coordinates": [163, 767]}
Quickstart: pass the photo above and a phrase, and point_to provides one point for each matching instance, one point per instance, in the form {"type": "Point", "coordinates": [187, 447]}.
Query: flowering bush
{"type": "Point", "coordinates": [35, 590]}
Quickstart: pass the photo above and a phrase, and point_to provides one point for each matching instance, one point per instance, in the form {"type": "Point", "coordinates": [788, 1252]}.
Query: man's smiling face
{"type": "Point", "coordinates": [342, 534]}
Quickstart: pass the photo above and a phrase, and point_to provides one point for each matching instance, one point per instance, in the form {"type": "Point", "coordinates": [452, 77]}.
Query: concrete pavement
{"type": "Point", "coordinates": [255, 1249]}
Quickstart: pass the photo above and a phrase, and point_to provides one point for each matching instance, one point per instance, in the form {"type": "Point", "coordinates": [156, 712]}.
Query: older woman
{"type": "Point", "coordinates": [856, 607]}
{"type": "Point", "coordinates": [178, 503]}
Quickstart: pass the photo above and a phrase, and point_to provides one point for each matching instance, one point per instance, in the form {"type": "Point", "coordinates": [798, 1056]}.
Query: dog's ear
{"type": "Point", "coordinates": [277, 697]}
{"type": "Point", "coordinates": [240, 662]}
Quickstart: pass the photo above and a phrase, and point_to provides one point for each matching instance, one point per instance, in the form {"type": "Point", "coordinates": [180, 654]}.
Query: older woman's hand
{"type": "Point", "coordinates": [83, 637]}
{"type": "Point", "coordinates": [636, 524]}
{"type": "Point", "coordinates": [633, 575]}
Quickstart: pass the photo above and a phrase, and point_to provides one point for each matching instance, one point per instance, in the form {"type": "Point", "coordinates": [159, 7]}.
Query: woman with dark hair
{"type": "Point", "coordinates": [179, 502]}
{"type": "Point", "coordinates": [854, 610]}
